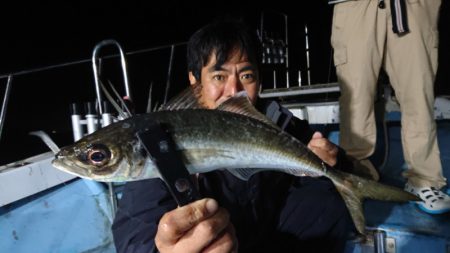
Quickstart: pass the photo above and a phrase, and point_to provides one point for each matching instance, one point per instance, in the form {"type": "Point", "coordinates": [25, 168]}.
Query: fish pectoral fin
{"type": "Point", "coordinates": [244, 173]}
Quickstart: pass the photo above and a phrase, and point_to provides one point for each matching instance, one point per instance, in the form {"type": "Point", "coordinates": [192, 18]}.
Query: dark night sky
{"type": "Point", "coordinates": [43, 33]}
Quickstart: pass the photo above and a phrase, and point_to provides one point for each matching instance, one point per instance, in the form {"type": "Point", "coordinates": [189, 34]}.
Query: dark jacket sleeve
{"type": "Point", "coordinates": [301, 130]}
{"type": "Point", "coordinates": [141, 207]}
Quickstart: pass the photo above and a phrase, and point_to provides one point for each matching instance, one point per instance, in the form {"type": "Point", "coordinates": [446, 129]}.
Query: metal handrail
{"type": "Point", "coordinates": [95, 59]}
{"type": "Point", "coordinates": [55, 66]}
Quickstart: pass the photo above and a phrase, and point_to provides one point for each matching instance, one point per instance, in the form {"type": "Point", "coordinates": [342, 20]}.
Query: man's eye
{"type": "Point", "coordinates": [218, 77]}
{"type": "Point", "coordinates": [248, 78]}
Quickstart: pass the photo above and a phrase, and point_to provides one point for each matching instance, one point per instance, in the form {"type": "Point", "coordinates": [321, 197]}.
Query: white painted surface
{"type": "Point", "coordinates": [27, 177]}
{"type": "Point", "coordinates": [321, 113]}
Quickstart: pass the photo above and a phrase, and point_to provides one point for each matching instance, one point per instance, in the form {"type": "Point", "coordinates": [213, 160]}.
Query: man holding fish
{"type": "Point", "coordinates": [272, 212]}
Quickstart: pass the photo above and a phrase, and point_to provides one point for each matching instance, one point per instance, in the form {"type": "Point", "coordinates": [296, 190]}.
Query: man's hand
{"type": "Point", "coordinates": [323, 148]}
{"type": "Point", "coordinates": [201, 226]}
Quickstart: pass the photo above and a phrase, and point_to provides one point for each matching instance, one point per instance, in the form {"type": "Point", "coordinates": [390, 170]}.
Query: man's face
{"type": "Point", "coordinates": [222, 82]}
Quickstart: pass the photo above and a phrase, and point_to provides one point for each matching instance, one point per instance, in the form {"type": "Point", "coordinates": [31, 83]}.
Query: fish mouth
{"type": "Point", "coordinates": [67, 166]}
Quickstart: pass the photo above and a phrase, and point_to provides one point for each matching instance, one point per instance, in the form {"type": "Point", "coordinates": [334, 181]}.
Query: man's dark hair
{"type": "Point", "coordinates": [221, 38]}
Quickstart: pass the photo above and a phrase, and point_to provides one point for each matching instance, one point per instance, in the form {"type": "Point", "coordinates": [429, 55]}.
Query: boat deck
{"type": "Point", "coordinates": [407, 228]}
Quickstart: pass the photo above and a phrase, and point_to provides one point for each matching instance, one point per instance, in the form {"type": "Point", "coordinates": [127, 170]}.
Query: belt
{"type": "Point", "coordinates": [398, 14]}
{"type": "Point", "coordinates": [398, 9]}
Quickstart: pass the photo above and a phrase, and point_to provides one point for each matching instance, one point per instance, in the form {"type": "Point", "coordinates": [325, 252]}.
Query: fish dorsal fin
{"type": "Point", "coordinates": [240, 104]}
{"type": "Point", "coordinates": [187, 99]}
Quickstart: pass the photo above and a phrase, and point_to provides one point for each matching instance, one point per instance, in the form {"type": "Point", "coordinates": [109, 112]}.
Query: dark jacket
{"type": "Point", "coordinates": [271, 212]}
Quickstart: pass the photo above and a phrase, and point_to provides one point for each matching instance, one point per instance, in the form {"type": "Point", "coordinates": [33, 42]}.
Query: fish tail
{"type": "Point", "coordinates": [355, 189]}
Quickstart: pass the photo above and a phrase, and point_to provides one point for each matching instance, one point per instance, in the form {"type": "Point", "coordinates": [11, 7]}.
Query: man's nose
{"type": "Point", "coordinates": [233, 86]}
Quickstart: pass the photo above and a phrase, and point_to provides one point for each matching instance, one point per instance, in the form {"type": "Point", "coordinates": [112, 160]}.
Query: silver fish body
{"type": "Point", "coordinates": [207, 139]}
{"type": "Point", "coordinates": [210, 140]}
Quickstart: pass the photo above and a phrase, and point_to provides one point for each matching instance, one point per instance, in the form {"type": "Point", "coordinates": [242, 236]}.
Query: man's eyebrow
{"type": "Point", "coordinates": [220, 68]}
{"type": "Point", "coordinates": [246, 68]}
{"type": "Point", "coordinates": [215, 68]}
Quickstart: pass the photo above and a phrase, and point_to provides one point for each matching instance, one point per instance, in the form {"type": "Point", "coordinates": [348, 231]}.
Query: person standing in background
{"type": "Point", "coordinates": [400, 36]}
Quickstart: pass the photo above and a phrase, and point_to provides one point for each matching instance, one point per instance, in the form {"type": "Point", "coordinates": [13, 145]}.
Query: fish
{"type": "Point", "coordinates": [234, 137]}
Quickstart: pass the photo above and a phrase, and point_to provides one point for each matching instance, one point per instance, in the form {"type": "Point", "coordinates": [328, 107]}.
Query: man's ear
{"type": "Point", "coordinates": [192, 79]}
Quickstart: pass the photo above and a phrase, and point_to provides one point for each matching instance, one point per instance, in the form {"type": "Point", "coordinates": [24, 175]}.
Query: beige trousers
{"type": "Point", "coordinates": [364, 42]}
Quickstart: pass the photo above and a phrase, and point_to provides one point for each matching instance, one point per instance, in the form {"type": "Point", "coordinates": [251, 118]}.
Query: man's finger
{"type": "Point", "coordinates": [317, 135]}
{"type": "Point", "coordinates": [226, 242]}
{"type": "Point", "coordinates": [207, 232]}
{"type": "Point", "coordinates": [175, 223]}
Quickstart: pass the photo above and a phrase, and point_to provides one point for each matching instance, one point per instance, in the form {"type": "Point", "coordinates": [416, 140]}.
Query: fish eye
{"type": "Point", "coordinates": [98, 155]}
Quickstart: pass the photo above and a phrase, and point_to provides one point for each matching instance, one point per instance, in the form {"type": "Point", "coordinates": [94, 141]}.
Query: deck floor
{"type": "Point", "coordinates": [414, 230]}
